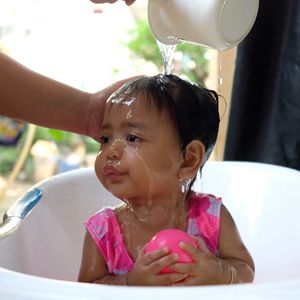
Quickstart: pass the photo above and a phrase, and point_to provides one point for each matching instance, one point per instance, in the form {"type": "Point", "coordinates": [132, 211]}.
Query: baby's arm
{"type": "Point", "coordinates": [144, 272]}
{"type": "Point", "coordinates": [232, 251]}
{"type": "Point", "coordinates": [93, 267]}
{"type": "Point", "coordinates": [234, 264]}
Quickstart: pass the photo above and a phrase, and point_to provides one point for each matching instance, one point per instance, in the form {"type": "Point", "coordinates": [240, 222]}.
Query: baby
{"type": "Point", "coordinates": [157, 134]}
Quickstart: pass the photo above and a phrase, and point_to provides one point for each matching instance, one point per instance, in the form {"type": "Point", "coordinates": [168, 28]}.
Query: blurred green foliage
{"type": "Point", "coordinates": [192, 63]}
{"type": "Point", "coordinates": [9, 154]}
{"type": "Point", "coordinates": [67, 139]}
{"type": "Point", "coordinates": [57, 136]}
{"type": "Point", "coordinates": [91, 146]}
{"type": "Point", "coordinates": [7, 159]}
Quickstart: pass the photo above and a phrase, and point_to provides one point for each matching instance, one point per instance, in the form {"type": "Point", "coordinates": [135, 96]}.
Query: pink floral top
{"type": "Point", "coordinates": [204, 220]}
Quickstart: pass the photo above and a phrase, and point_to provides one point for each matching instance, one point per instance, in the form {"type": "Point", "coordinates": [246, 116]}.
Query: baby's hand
{"type": "Point", "coordinates": [206, 268]}
{"type": "Point", "coordinates": [147, 267]}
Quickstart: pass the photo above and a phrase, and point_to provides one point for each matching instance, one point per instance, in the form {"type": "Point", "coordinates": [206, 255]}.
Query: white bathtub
{"type": "Point", "coordinates": [41, 259]}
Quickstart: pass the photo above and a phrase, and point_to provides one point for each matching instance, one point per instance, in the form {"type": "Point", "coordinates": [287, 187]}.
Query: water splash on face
{"type": "Point", "coordinates": [150, 179]}
{"type": "Point", "coordinates": [171, 209]}
{"type": "Point", "coordinates": [175, 201]}
{"type": "Point", "coordinates": [123, 101]}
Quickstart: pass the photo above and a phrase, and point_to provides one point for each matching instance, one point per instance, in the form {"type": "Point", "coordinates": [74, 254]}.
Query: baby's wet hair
{"type": "Point", "coordinates": [192, 108]}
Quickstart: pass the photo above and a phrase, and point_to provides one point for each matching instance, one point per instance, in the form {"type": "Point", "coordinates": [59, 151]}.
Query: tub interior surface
{"type": "Point", "coordinates": [263, 199]}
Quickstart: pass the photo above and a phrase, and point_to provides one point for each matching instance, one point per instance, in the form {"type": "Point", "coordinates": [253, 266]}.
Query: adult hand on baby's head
{"type": "Point", "coordinates": [128, 2]}
{"type": "Point", "coordinates": [147, 267]}
{"type": "Point", "coordinates": [96, 107]}
{"type": "Point", "coordinates": [206, 268]}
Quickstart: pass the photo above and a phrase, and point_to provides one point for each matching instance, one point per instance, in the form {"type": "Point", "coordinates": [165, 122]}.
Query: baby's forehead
{"type": "Point", "coordinates": [138, 101]}
{"type": "Point", "coordinates": [121, 100]}
{"type": "Point", "coordinates": [137, 109]}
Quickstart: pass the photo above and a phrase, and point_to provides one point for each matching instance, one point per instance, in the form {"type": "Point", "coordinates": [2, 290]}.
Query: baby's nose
{"type": "Point", "coordinates": [115, 150]}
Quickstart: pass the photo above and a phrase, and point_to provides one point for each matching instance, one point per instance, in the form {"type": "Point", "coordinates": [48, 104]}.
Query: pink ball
{"type": "Point", "coordinates": [171, 238]}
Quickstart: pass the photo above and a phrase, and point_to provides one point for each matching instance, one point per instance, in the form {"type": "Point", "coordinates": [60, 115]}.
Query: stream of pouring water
{"type": "Point", "coordinates": [220, 81]}
{"type": "Point", "coordinates": [167, 53]}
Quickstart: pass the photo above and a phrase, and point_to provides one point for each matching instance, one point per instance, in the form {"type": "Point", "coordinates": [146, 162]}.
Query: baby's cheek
{"type": "Point", "coordinates": [150, 165]}
{"type": "Point", "coordinates": [134, 160]}
{"type": "Point", "coordinates": [163, 162]}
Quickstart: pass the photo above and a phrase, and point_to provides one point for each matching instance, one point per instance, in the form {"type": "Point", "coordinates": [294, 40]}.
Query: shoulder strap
{"type": "Point", "coordinates": [204, 218]}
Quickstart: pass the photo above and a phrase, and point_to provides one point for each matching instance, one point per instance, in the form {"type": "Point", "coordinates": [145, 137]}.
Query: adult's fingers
{"type": "Point", "coordinates": [97, 105]}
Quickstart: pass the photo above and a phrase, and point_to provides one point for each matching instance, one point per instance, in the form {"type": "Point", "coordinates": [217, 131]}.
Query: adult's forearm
{"type": "Point", "coordinates": [31, 97]}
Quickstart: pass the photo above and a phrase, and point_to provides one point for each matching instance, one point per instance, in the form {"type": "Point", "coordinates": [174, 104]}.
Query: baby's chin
{"type": "Point", "coordinates": [119, 194]}
{"type": "Point", "coordinates": [130, 198]}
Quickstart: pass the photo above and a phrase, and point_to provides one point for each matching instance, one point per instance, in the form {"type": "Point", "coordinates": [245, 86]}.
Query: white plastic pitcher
{"type": "Point", "coordinates": [218, 24]}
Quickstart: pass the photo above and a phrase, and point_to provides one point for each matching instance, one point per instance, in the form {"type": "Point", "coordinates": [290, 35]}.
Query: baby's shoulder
{"type": "Point", "coordinates": [105, 215]}
{"type": "Point", "coordinates": [201, 203]}
{"type": "Point", "coordinates": [204, 197]}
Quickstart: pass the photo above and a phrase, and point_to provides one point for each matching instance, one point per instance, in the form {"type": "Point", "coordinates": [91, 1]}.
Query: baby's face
{"type": "Point", "coordinates": [140, 155]}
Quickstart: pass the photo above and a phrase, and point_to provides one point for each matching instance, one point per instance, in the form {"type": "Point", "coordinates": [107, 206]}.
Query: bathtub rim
{"type": "Point", "coordinates": [19, 284]}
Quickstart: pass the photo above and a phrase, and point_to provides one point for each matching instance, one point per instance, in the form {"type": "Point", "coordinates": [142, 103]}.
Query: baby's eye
{"type": "Point", "coordinates": [104, 139]}
{"type": "Point", "coordinates": [133, 138]}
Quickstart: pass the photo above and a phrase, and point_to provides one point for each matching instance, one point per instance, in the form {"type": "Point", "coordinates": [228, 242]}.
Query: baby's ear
{"type": "Point", "coordinates": [193, 159]}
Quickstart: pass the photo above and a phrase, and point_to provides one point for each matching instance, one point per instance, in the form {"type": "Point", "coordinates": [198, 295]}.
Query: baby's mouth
{"type": "Point", "coordinates": [113, 174]}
